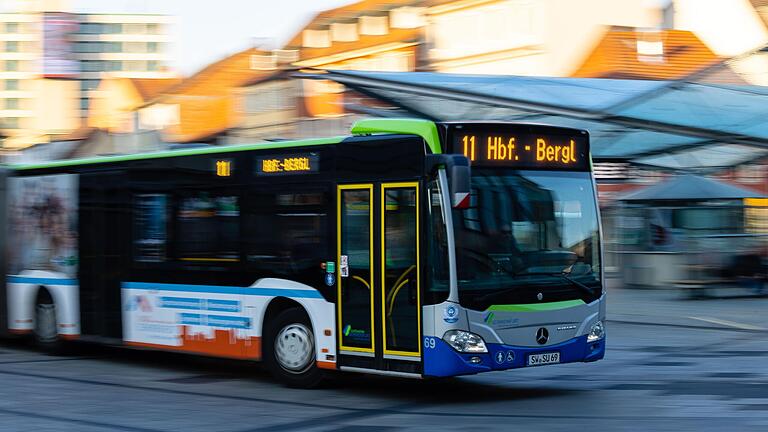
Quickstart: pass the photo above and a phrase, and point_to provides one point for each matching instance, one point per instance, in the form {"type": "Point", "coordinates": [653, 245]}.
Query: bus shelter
{"type": "Point", "coordinates": [691, 232]}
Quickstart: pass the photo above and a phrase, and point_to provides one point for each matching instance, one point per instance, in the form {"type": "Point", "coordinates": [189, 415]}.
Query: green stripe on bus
{"type": "Point", "coordinates": [176, 153]}
{"type": "Point", "coordinates": [536, 307]}
{"type": "Point", "coordinates": [423, 128]}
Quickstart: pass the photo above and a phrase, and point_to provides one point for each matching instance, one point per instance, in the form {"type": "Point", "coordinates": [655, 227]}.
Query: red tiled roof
{"type": "Point", "coordinates": [205, 100]}
{"type": "Point", "coordinates": [616, 56]}
{"type": "Point", "coordinates": [363, 42]}
{"type": "Point", "coordinates": [150, 88]}
{"type": "Point", "coordinates": [350, 11]}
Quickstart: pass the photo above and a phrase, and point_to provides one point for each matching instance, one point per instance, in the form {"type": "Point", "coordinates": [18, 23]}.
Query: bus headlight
{"type": "Point", "coordinates": [465, 342]}
{"type": "Point", "coordinates": [596, 333]}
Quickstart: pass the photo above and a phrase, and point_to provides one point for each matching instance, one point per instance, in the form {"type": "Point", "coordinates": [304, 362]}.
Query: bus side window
{"type": "Point", "coordinates": [150, 221]}
{"type": "Point", "coordinates": [208, 224]}
{"type": "Point", "coordinates": [287, 231]}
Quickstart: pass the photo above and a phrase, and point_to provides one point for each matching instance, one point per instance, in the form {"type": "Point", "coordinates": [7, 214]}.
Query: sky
{"type": "Point", "coordinates": [206, 30]}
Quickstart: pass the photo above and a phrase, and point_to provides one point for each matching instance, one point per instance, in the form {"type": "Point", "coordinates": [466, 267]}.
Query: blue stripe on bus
{"type": "Point", "coordinates": [217, 289]}
{"type": "Point", "coordinates": [41, 280]}
{"type": "Point", "coordinates": [215, 321]}
{"type": "Point", "coordinates": [181, 303]}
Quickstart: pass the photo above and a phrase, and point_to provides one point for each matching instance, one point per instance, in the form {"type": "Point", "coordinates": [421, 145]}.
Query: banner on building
{"type": "Point", "coordinates": [58, 48]}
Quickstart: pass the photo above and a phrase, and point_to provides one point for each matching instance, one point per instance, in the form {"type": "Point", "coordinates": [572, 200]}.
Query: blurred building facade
{"type": "Point", "coordinates": [254, 95]}
{"type": "Point", "coordinates": [203, 107]}
{"type": "Point", "coordinates": [52, 60]}
{"type": "Point", "coordinates": [115, 104]}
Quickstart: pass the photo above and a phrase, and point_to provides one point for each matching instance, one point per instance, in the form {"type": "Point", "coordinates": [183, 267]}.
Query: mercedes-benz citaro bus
{"type": "Point", "coordinates": [411, 248]}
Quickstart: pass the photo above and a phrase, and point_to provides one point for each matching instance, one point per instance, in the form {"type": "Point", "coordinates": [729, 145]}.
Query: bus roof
{"type": "Point", "coordinates": [423, 128]}
{"type": "Point", "coordinates": [426, 129]}
{"type": "Point", "coordinates": [176, 153]}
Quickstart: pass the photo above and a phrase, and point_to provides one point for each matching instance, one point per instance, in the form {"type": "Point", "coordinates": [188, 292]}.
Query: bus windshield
{"type": "Point", "coordinates": [528, 237]}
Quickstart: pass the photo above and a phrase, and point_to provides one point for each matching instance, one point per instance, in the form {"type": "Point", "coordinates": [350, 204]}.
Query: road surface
{"type": "Point", "coordinates": [672, 376]}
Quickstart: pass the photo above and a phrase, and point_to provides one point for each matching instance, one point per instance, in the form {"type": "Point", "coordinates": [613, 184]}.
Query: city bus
{"type": "Point", "coordinates": [410, 248]}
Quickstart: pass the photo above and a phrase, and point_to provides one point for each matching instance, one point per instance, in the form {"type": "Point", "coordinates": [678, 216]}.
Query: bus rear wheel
{"type": "Point", "coordinates": [46, 330]}
{"type": "Point", "coordinates": [289, 349]}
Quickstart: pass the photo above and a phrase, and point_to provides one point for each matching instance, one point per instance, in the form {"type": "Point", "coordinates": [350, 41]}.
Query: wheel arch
{"type": "Point", "coordinates": [44, 295]}
{"type": "Point", "coordinates": [276, 306]}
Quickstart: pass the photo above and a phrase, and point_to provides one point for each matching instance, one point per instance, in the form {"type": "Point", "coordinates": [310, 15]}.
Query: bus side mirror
{"type": "Point", "coordinates": [459, 176]}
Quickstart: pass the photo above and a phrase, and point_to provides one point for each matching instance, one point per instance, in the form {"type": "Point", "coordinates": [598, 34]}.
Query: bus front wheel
{"type": "Point", "coordinates": [289, 349]}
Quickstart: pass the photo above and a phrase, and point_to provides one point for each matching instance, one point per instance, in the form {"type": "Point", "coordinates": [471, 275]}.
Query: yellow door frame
{"type": "Point", "coordinates": [382, 212]}
{"type": "Point", "coordinates": [339, 189]}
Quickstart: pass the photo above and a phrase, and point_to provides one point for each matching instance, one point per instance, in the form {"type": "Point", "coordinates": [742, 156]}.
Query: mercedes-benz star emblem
{"type": "Point", "coordinates": [542, 336]}
{"type": "Point", "coordinates": [540, 296]}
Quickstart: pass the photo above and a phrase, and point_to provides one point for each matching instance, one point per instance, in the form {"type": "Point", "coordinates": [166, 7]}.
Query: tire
{"type": "Point", "coordinates": [290, 351]}
{"type": "Point", "coordinates": [46, 333]}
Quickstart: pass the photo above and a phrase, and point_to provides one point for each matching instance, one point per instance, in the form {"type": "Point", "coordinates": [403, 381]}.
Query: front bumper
{"type": "Point", "coordinates": [444, 361]}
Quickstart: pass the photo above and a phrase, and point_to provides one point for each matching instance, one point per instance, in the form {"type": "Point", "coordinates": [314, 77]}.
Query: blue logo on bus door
{"type": "Point", "coordinates": [450, 314]}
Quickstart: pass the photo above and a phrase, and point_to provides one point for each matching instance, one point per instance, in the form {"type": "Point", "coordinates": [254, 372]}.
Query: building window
{"type": "Point", "coordinates": [316, 38]}
{"type": "Point", "coordinates": [153, 65]}
{"type": "Point", "coordinates": [152, 47]}
{"type": "Point", "coordinates": [12, 84]}
{"type": "Point", "coordinates": [407, 17]}
{"type": "Point", "coordinates": [11, 27]}
{"type": "Point", "coordinates": [153, 28]}
{"type": "Point", "coordinates": [11, 65]}
{"type": "Point", "coordinates": [12, 46]}
{"type": "Point", "coordinates": [89, 84]}
{"type": "Point", "coordinates": [135, 28]}
{"type": "Point", "coordinates": [9, 123]}
{"type": "Point", "coordinates": [135, 65]}
{"type": "Point", "coordinates": [84, 104]}
{"type": "Point", "coordinates": [11, 104]}
{"type": "Point", "coordinates": [135, 47]}
{"type": "Point", "coordinates": [113, 28]}
{"type": "Point", "coordinates": [91, 28]}
{"type": "Point", "coordinates": [344, 32]}
{"type": "Point", "coordinates": [93, 65]}
{"type": "Point", "coordinates": [374, 25]}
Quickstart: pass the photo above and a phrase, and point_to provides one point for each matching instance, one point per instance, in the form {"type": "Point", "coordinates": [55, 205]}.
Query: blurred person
{"type": "Point", "coordinates": [749, 270]}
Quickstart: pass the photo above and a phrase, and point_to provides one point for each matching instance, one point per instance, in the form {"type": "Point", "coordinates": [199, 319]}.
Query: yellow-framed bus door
{"type": "Point", "coordinates": [355, 270]}
{"type": "Point", "coordinates": [400, 271]}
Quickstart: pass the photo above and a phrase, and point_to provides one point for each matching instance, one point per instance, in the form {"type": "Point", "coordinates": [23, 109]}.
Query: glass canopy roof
{"type": "Point", "coordinates": [668, 124]}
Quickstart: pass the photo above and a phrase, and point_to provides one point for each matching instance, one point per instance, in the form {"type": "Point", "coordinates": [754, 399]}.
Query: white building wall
{"type": "Point", "coordinates": [728, 27]}
{"type": "Point", "coordinates": [129, 45]}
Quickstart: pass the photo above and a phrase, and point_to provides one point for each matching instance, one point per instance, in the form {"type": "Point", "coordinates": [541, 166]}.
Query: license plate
{"type": "Point", "coordinates": [543, 359]}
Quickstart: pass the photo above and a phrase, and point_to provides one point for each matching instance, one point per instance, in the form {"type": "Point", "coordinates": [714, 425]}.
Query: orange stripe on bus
{"type": "Point", "coordinates": [326, 365]}
{"type": "Point", "coordinates": [221, 345]}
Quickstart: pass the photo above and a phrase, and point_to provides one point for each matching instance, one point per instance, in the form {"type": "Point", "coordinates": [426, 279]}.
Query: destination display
{"type": "Point", "coordinates": [287, 164]}
{"type": "Point", "coordinates": [486, 146]}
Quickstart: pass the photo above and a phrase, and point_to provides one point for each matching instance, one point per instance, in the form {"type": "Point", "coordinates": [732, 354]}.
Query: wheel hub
{"type": "Point", "coordinates": [294, 348]}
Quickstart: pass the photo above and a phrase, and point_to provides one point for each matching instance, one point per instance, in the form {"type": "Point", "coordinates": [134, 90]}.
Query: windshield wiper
{"type": "Point", "coordinates": [577, 284]}
{"type": "Point", "coordinates": [565, 275]}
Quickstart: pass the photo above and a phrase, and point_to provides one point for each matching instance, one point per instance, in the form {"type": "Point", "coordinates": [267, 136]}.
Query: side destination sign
{"type": "Point", "coordinates": [298, 163]}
